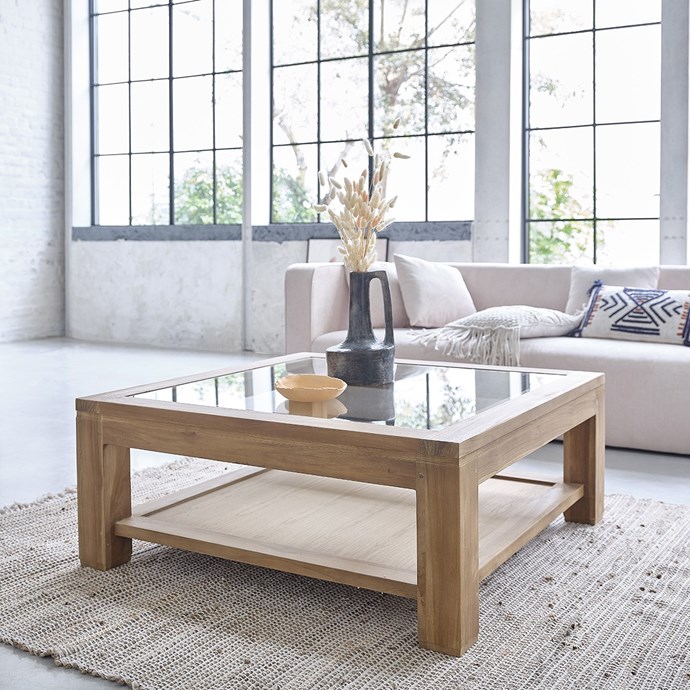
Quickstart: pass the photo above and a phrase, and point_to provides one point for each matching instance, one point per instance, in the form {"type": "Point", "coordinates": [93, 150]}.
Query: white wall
{"type": "Point", "coordinates": [187, 294]}
{"type": "Point", "coordinates": [31, 169]}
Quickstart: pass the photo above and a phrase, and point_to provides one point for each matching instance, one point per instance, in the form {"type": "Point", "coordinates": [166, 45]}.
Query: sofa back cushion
{"type": "Point", "coordinates": [583, 277]}
{"type": "Point", "coordinates": [492, 285]}
{"type": "Point", "coordinates": [496, 285]}
{"type": "Point", "coordinates": [674, 278]}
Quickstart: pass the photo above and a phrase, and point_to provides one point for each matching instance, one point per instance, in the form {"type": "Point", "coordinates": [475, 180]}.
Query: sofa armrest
{"type": "Point", "coordinates": [316, 302]}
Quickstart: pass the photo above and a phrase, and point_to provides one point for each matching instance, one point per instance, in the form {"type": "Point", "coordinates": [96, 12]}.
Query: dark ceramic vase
{"type": "Point", "coordinates": [362, 359]}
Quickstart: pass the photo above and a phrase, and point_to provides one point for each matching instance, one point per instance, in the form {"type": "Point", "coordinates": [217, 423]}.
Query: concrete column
{"type": "Point", "coordinates": [675, 82]}
{"type": "Point", "coordinates": [498, 209]}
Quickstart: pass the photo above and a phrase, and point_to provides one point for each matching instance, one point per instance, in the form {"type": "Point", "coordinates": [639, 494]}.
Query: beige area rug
{"type": "Point", "coordinates": [604, 607]}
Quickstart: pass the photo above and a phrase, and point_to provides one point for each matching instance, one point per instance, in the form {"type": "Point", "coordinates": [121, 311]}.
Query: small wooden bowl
{"type": "Point", "coordinates": [310, 387]}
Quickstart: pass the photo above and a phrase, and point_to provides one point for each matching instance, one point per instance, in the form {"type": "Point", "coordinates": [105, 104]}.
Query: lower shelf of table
{"type": "Point", "coordinates": [333, 529]}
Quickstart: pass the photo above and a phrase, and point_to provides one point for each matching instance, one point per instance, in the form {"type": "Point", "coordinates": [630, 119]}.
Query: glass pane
{"type": "Point", "coordinates": [193, 113]}
{"type": "Point", "coordinates": [407, 178]}
{"type": "Point", "coordinates": [146, 3]}
{"type": "Point", "coordinates": [113, 190]}
{"type": "Point", "coordinates": [398, 92]}
{"type": "Point", "coordinates": [294, 104]}
{"type": "Point", "coordinates": [109, 5]}
{"type": "Point", "coordinates": [228, 32]}
{"type": "Point", "coordinates": [628, 242]}
{"type": "Point", "coordinates": [332, 155]}
{"type": "Point", "coordinates": [194, 188]}
{"type": "Point", "coordinates": [561, 242]}
{"type": "Point", "coordinates": [451, 22]}
{"type": "Point", "coordinates": [622, 12]}
{"type": "Point", "coordinates": [111, 48]}
{"type": "Point", "coordinates": [561, 80]}
{"type": "Point", "coordinates": [556, 16]}
{"type": "Point", "coordinates": [628, 171]}
{"type": "Point", "coordinates": [399, 24]}
{"type": "Point", "coordinates": [193, 38]}
{"type": "Point", "coordinates": [422, 397]}
{"type": "Point", "coordinates": [294, 31]}
{"type": "Point", "coordinates": [229, 110]}
{"type": "Point", "coordinates": [112, 130]}
{"type": "Point", "coordinates": [150, 118]}
{"type": "Point", "coordinates": [344, 99]}
{"type": "Point", "coordinates": [294, 184]}
{"type": "Point", "coordinates": [229, 186]}
{"type": "Point", "coordinates": [344, 28]}
{"type": "Point", "coordinates": [632, 93]}
{"type": "Point", "coordinates": [451, 177]}
{"type": "Point", "coordinates": [150, 189]}
{"type": "Point", "coordinates": [561, 174]}
{"type": "Point", "coordinates": [451, 89]}
{"type": "Point", "coordinates": [149, 47]}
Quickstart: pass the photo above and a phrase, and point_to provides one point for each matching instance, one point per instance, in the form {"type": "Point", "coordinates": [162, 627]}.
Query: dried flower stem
{"type": "Point", "coordinates": [364, 208]}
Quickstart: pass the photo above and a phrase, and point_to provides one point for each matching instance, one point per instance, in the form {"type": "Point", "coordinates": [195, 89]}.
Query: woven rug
{"type": "Point", "coordinates": [580, 607]}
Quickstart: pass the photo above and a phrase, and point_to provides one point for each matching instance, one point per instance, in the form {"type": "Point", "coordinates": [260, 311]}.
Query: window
{"type": "Point", "coordinates": [167, 84]}
{"type": "Point", "coordinates": [343, 70]}
{"type": "Point", "coordinates": [593, 131]}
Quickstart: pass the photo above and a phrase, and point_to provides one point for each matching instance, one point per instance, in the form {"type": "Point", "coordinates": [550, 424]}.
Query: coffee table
{"type": "Point", "coordinates": [406, 491]}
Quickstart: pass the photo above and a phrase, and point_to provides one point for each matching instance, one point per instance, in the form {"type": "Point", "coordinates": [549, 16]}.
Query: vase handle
{"type": "Point", "coordinates": [387, 304]}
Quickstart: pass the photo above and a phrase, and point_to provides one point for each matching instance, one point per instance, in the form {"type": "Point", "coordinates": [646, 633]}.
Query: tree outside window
{"type": "Point", "coordinates": [344, 70]}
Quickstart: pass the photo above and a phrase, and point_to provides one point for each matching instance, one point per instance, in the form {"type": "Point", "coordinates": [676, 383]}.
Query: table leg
{"type": "Point", "coordinates": [447, 557]}
{"type": "Point", "coordinates": [583, 463]}
{"type": "Point", "coordinates": [103, 496]}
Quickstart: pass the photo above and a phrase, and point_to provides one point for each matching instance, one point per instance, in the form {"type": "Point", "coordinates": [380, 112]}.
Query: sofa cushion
{"type": "Point", "coordinates": [645, 384]}
{"type": "Point", "coordinates": [583, 277]}
{"type": "Point", "coordinates": [625, 313]}
{"type": "Point", "coordinates": [434, 293]}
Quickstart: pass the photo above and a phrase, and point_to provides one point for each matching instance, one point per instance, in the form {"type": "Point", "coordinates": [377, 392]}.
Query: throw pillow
{"type": "Point", "coordinates": [433, 293]}
{"type": "Point", "coordinates": [492, 336]}
{"type": "Point", "coordinates": [533, 322]}
{"type": "Point", "coordinates": [628, 313]}
{"type": "Point", "coordinates": [582, 278]}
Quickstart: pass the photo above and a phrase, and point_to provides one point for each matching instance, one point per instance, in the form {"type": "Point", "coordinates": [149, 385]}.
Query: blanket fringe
{"type": "Point", "coordinates": [498, 346]}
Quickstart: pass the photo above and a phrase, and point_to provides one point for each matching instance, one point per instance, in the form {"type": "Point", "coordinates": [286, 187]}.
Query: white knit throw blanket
{"type": "Point", "coordinates": [495, 345]}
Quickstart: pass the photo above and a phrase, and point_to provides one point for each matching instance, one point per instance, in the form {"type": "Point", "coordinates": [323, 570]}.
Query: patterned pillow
{"type": "Point", "coordinates": [627, 313]}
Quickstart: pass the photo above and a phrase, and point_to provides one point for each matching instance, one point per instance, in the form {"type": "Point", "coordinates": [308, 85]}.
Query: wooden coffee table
{"type": "Point", "coordinates": [401, 493]}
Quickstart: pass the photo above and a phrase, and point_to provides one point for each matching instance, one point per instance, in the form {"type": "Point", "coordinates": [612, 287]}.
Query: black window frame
{"type": "Point", "coordinates": [461, 226]}
{"type": "Point", "coordinates": [595, 219]}
{"type": "Point", "coordinates": [171, 79]}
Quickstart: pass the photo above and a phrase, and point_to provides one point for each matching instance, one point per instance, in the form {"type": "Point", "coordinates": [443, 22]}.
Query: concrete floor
{"type": "Point", "coordinates": [42, 378]}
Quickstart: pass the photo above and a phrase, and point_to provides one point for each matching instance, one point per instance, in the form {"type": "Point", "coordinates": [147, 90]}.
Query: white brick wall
{"type": "Point", "coordinates": [31, 169]}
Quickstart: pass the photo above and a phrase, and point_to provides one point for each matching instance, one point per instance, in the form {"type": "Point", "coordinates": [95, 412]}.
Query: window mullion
{"type": "Point", "coordinates": [171, 138]}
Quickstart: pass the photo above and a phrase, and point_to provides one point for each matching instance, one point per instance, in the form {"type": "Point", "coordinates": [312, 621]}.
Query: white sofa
{"type": "Point", "coordinates": [647, 384]}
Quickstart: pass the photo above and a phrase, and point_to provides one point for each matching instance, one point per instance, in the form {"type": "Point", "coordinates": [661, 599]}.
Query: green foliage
{"type": "Point", "coordinates": [194, 197]}
{"type": "Point", "coordinates": [291, 204]}
{"type": "Point", "coordinates": [561, 238]}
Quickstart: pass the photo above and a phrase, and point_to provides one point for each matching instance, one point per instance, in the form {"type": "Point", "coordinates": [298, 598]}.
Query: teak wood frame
{"type": "Point", "coordinates": [444, 468]}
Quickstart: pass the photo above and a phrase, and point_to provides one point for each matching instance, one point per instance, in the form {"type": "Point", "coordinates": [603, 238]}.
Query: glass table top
{"type": "Point", "coordinates": [430, 396]}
